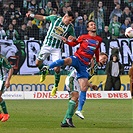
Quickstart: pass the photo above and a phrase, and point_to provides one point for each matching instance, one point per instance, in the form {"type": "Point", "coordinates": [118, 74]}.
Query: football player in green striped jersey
{"type": "Point", "coordinates": [6, 72]}
{"type": "Point", "coordinates": [59, 27]}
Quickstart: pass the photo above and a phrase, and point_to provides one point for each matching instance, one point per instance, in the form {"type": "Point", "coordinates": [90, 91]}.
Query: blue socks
{"type": "Point", "coordinates": [57, 63]}
{"type": "Point", "coordinates": [82, 99]}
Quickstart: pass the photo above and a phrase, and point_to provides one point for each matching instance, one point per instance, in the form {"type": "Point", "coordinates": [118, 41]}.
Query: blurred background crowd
{"type": "Point", "coordinates": [112, 17]}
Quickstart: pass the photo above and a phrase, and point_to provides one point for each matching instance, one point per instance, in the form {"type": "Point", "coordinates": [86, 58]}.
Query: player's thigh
{"type": "Point", "coordinates": [44, 53]}
{"type": "Point", "coordinates": [72, 85]}
{"type": "Point", "coordinates": [55, 54]}
{"type": "Point", "coordinates": [83, 84]}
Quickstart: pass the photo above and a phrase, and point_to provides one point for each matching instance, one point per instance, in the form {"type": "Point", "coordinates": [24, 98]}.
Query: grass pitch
{"type": "Point", "coordinates": [44, 116]}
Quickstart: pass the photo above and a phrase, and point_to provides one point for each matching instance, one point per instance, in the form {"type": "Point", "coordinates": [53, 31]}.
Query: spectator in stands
{"type": "Point", "coordinates": [81, 27]}
{"type": "Point", "coordinates": [69, 8]}
{"type": "Point", "coordinates": [48, 8]}
{"type": "Point", "coordinates": [18, 16]}
{"type": "Point", "coordinates": [10, 14]}
{"type": "Point", "coordinates": [3, 23]}
{"type": "Point", "coordinates": [62, 11]}
{"type": "Point", "coordinates": [106, 34]}
{"type": "Point", "coordinates": [100, 18]}
{"type": "Point", "coordinates": [117, 12]}
{"type": "Point", "coordinates": [11, 33]}
{"type": "Point", "coordinates": [126, 13]}
{"type": "Point", "coordinates": [76, 18]}
{"type": "Point", "coordinates": [55, 12]}
{"type": "Point", "coordinates": [41, 11]}
{"type": "Point", "coordinates": [67, 3]}
{"type": "Point", "coordinates": [33, 5]}
{"type": "Point", "coordinates": [129, 3]}
{"type": "Point", "coordinates": [14, 23]}
{"type": "Point", "coordinates": [23, 32]}
{"type": "Point", "coordinates": [2, 32]}
{"type": "Point", "coordinates": [125, 25]}
{"type": "Point", "coordinates": [114, 28]}
{"type": "Point", "coordinates": [32, 31]}
{"type": "Point", "coordinates": [85, 18]}
{"type": "Point", "coordinates": [98, 15]}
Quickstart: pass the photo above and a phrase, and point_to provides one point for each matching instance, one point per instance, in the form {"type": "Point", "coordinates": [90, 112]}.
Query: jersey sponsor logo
{"type": "Point", "coordinates": [58, 30]}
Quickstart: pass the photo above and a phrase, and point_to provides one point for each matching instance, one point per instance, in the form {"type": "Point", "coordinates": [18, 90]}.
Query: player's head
{"type": "Point", "coordinates": [91, 26]}
{"type": "Point", "coordinates": [68, 18]}
{"type": "Point", "coordinates": [103, 58]}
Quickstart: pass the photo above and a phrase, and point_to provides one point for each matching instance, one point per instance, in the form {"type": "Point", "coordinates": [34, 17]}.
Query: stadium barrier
{"type": "Point", "coordinates": [29, 87]}
{"type": "Point", "coordinates": [65, 95]}
{"type": "Point", "coordinates": [31, 83]}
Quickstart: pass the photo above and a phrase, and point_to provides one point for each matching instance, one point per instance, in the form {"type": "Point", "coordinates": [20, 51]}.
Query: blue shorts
{"type": "Point", "coordinates": [81, 68]}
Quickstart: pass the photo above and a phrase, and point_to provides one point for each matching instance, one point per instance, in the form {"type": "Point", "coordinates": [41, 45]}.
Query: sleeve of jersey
{"type": "Point", "coordinates": [97, 51]}
{"type": "Point", "coordinates": [97, 54]}
{"type": "Point", "coordinates": [74, 43]}
{"type": "Point", "coordinates": [7, 64]}
{"type": "Point", "coordinates": [51, 18]}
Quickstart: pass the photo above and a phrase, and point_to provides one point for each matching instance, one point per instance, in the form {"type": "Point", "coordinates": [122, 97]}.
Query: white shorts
{"type": "Point", "coordinates": [46, 51]}
{"type": "Point", "coordinates": [72, 84]}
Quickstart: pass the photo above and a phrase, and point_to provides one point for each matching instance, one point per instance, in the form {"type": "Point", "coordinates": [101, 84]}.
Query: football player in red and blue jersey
{"type": "Point", "coordinates": [89, 45]}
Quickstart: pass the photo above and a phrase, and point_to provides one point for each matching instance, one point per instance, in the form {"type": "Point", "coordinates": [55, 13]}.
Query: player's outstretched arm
{"type": "Point", "coordinates": [72, 43]}
{"type": "Point", "coordinates": [39, 17]}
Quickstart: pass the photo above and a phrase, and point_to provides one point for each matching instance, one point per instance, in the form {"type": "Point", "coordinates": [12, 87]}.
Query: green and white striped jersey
{"type": "Point", "coordinates": [4, 67]}
{"type": "Point", "coordinates": [56, 30]}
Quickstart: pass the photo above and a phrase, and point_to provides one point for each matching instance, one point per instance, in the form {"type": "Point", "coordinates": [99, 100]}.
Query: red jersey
{"type": "Point", "coordinates": [89, 45]}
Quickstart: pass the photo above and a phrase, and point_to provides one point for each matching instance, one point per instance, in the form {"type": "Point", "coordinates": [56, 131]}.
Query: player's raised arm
{"type": "Point", "coordinates": [32, 15]}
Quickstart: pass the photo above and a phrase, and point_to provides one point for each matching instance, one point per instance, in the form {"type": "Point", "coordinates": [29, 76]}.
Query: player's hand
{"type": "Point", "coordinates": [7, 84]}
{"type": "Point", "coordinates": [28, 14]}
{"type": "Point", "coordinates": [64, 39]}
{"type": "Point", "coordinates": [71, 38]}
{"type": "Point", "coordinates": [94, 87]}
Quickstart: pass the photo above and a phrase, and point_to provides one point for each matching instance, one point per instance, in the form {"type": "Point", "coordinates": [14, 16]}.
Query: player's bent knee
{"type": "Point", "coordinates": [75, 96]}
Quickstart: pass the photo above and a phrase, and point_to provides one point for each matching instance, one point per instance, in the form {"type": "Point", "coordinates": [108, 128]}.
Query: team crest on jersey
{"type": "Point", "coordinates": [97, 42]}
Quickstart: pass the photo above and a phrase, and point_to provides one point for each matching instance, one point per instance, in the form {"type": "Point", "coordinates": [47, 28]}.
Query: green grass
{"type": "Point", "coordinates": [44, 116]}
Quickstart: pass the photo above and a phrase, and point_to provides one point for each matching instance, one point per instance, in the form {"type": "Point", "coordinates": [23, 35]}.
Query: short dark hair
{"type": "Point", "coordinates": [70, 14]}
{"type": "Point", "coordinates": [103, 53]}
{"type": "Point", "coordinates": [89, 22]}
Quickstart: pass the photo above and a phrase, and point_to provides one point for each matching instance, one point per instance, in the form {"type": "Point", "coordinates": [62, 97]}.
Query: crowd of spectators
{"type": "Point", "coordinates": [112, 18]}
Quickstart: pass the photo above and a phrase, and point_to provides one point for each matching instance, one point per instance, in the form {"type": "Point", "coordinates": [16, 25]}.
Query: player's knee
{"type": "Point", "coordinates": [57, 69]}
{"type": "Point", "coordinates": [84, 89]}
{"type": "Point", "coordinates": [75, 96]}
